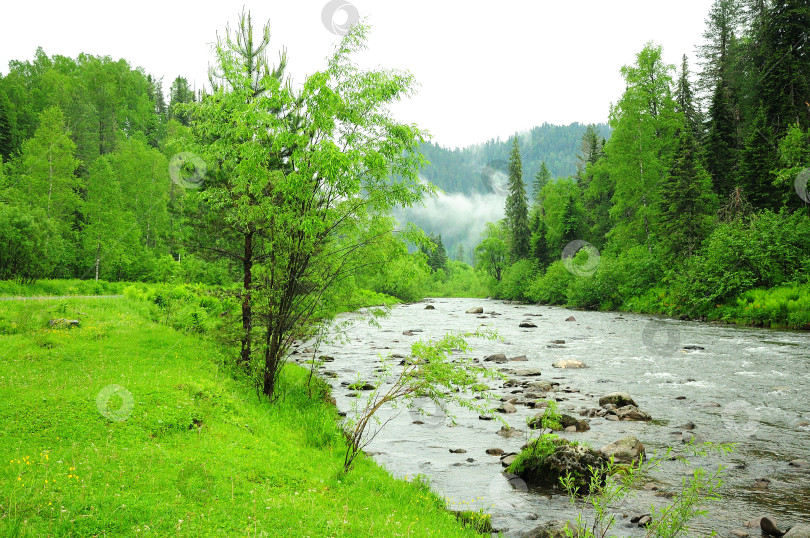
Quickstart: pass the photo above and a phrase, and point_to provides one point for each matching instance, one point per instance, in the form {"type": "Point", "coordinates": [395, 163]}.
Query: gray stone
{"type": "Point", "coordinates": [799, 531]}
{"type": "Point", "coordinates": [495, 451]}
{"type": "Point", "coordinates": [631, 412]}
{"type": "Point", "coordinates": [619, 399]}
{"type": "Point", "coordinates": [769, 527]}
{"type": "Point", "coordinates": [506, 407]}
{"type": "Point", "coordinates": [527, 325]}
{"type": "Point", "coordinates": [509, 432]}
{"type": "Point", "coordinates": [64, 323]}
{"type": "Point", "coordinates": [430, 307]}
{"type": "Point", "coordinates": [570, 318]}
{"type": "Point", "coordinates": [800, 464]}
{"type": "Point", "coordinates": [527, 372]}
{"type": "Point", "coordinates": [498, 358]}
{"type": "Point", "coordinates": [625, 450]}
{"type": "Point", "coordinates": [569, 363]}
{"type": "Point", "coordinates": [457, 451]}
{"type": "Point", "coordinates": [475, 310]}
{"type": "Point", "coordinates": [550, 529]}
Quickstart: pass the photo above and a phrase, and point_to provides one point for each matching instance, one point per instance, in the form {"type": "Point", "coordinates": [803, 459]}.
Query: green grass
{"type": "Point", "coordinates": [61, 287]}
{"type": "Point", "coordinates": [198, 454]}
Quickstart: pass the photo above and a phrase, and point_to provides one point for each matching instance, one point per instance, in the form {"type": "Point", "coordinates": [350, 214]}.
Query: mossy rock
{"type": "Point", "coordinates": [547, 459]}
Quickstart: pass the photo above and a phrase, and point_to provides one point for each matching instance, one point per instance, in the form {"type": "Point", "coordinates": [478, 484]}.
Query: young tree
{"type": "Point", "coordinates": [299, 178]}
{"type": "Point", "coordinates": [688, 204]}
{"type": "Point", "coordinates": [48, 166]}
{"type": "Point", "coordinates": [640, 149]}
{"type": "Point", "coordinates": [180, 93]}
{"type": "Point", "coordinates": [685, 103]}
{"type": "Point", "coordinates": [590, 151]}
{"type": "Point", "coordinates": [491, 253]}
{"type": "Point", "coordinates": [541, 179]}
{"type": "Point", "coordinates": [517, 208]}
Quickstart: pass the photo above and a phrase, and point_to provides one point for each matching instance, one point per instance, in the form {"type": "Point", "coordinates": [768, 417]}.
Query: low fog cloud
{"type": "Point", "coordinates": [459, 218]}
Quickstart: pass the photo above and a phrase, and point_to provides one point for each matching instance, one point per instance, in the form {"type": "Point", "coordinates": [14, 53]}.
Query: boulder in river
{"type": "Point", "coordinates": [527, 372]}
{"type": "Point", "coordinates": [625, 450]}
{"type": "Point", "coordinates": [506, 407]}
{"type": "Point", "coordinates": [799, 531]}
{"type": "Point", "coordinates": [569, 364]}
{"type": "Point", "coordinates": [541, 386]}
{"type": "Point", "coordinates": [570, 318]}
{"type": "Point", "coordinates": [545, 459]}
{"type": "Point", "coordinates": [800, 464]}
{"type": "Point", "coordinates": [508, 431]}
{"type": "Point", "coordinates": [550, 529]}
{"type": "Point", "coordinates": [430, 307]}
{"type": "Point", "coordinates": [619, 399]}
{"type": "Point", "coordinates": [519, 358]}
{"type": "Point", "coordinates": [497, 358]}
{"type": "Point", "coordinates": [495, 451]}
{"type": "Point", "coordinates": [527, 325]}
{"type": "Point", "coordinates": [631, 412]}
{"type": "Point", "coordinates": [769, 527]}
{"type": "Point", "coordinates": [475, 310]}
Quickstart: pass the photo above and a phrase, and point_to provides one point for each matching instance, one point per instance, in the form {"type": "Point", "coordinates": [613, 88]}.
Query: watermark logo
{"type": "Point", "coordinates": [193, 481]}
{"type": "Point", "coordinates": [740, 417]}
{"type": "Point", "coordinates": [428, 412]}
{"type": "Point", "coordinates": [506, 491]}
{"type": "Point", "coordinates": [663, 339]}
{"type": "Point", "coordinates": [338, 16]}
{"type": "Point", "coordinates": [187, 170]}
{"type": "Point", "coordinates": [801, 185]}
{"type": "Point", "coordinates": [495, 177]}
{"type": "Point", "coordinates": [111, 396]}
{"type": "Point", "coordinates": [585, 268]}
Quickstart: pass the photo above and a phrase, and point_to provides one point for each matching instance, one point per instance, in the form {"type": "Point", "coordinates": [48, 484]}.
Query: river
{"type": "Point", "coordinates": [745, 386]}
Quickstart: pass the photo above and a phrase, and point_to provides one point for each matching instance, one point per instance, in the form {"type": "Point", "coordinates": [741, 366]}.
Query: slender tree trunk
{"type": "Point", "coordinates": [247, 310]}
{"type": "Point", "coordinates": [98, 257]}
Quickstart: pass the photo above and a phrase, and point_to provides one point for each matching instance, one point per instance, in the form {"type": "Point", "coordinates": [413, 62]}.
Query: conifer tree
{"type": "Point", "coordinates": [688, 204]}
{"type": "Point", "coordinates": [517, 209]}
{"type": "Point", "coordinates": [758, 161]}
{"type": "Point", "coordinates": [785, 83]}
{"type": "Point", "coordinates": [685, 104]}
{"type": "Point", "coordinates": [541, 179]}
{"type": "Point", "coordinates": [722, 146]}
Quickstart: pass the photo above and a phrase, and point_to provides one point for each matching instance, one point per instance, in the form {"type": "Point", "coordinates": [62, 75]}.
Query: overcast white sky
{"type": "Point", "coordinates": [485, 69]}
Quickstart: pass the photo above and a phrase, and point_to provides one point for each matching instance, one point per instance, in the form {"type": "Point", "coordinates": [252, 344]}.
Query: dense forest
{"type": "Point", "coordinates": [697, 205]}
{"type": "Point", "coordinates": [478, 168]}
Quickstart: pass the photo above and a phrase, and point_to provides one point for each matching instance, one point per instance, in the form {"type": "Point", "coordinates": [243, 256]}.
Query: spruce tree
{"type": "Point", "coordinates": [684, 101]}
{"type": "Point", "coordinates": [687, 202]}
{"type": "Point", "coordinates": [541, 179]}
{"type": "Point", "coordinates": [785, 82]}
{"type": "Point", "coordinates": [721, 143]}
{"type": "Point", "coordinates": [758, 161]}
{"type": "Point", "coordinates": [517, 209]}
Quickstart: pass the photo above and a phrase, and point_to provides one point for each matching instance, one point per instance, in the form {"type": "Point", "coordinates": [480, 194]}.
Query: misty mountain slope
{"type": "Point", "coordinates": [481, 168]}
{"type": "Point", "coordinates": [474, 181]}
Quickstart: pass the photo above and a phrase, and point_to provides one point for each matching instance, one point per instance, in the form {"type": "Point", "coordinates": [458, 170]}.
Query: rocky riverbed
{"type": "Point", "coordinates": [686, 380]}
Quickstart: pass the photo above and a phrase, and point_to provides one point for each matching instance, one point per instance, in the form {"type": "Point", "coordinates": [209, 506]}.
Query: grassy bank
{"type": "Point", "coordinates": [180, 448]}
{"type": "Point", "coordinates": [61, 287]}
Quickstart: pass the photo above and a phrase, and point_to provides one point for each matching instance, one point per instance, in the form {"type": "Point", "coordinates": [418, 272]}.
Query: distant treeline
{"type": "Point", "coordinates": [471, 169]}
